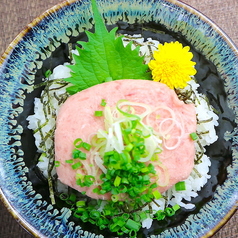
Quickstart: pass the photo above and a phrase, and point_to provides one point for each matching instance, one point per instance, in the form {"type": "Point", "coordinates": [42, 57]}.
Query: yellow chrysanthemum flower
{"type": "Point", "coordinates": [172, 65]}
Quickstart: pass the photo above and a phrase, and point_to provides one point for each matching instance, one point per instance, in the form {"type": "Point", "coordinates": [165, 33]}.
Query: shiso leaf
{"type": "Point", "coordinates": [104, 56]}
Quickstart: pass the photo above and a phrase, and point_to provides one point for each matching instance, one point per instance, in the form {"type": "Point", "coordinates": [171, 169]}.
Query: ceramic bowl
{"type": "Point", "coordinates": [43, 45]}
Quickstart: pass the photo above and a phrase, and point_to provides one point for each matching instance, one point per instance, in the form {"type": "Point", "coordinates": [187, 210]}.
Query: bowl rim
{"type": "Point", "coordinates": [65, 3]}
{"type": "Point", "coordinates": [24, 223]}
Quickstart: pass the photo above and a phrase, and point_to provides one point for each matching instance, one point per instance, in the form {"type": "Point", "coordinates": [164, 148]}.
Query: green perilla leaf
{"type": "Point", "coordinates": [104, 56]}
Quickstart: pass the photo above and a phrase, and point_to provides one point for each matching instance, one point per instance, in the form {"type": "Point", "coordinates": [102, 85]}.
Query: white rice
{"type": "Point", "coordinates": [205, 115]}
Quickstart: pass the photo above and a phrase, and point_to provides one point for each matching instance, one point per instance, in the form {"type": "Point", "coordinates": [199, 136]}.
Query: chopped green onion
{"type": "Point", "coordinates": [134, 123]}
{"type": "Point", "coordinates": [114, 198]}
{"type": "Point", "coordinates": [145, 198]}
{"type": "Point", "coordinates": [132, 233]}
{"type": "Point", "coordinates": [102, 191]}
{"type": "Point", "coordinates": [143, 215]}
{"type": "Point", "coordinates": [129, 147]}
{"type": "Point", "coordinates": [92, 221]}
{"type": "Point", "coordinates": [72, 197]}
{"type": "Point", "coordinates": [109, 153]}
{"type": "Point", "coordinates": [86, 146]}
{"type": "Point", "coordinates": [127, 131]}
{"type": "Point", "coordinates": [125, 216]}
{"type": "Point", "coordinates": [124, 180]}
{"type": "Point", "coordinates": [194, 136]}
{"type": "Point", "coordinates": [71, 203]}
{"type": "Point", "coordinates": [146, 178]}
{"type": "Point", "coordinates": [76, 165]}
{"type": "Point", "coordinates": [88, 180]}
{"type": "Point", "coordinates": [125, 230]}
{"type": "Point", "coordinates": [79, 176]}
{"type": "Point", "coordinates": [64, 196]}
{"type": "Point", "coordinates": [69, 161]}
{"type": "Point", "coordinates": [77, 214]}
{"type": "Point", "coordinates": [169, 211]}
{"type": "Point", "coordinates": [83, 215]}
{"type": "Point", "coordinates": [145, 170]}
{"type": "Point", "coordinates": [79, 182]}
{"type": "Point", "coordinates": [80, 203]}
{"type": "Point", "coordinates": [82, 155]}
{"type": "Point", "coordinates": [80, 209]}
{"type": "Point", "coordinates": [180, 186]}
{"type": "Point", "coordinates": [132, 225]}
{"type": "Point", "coordinates": [120, 233]}
{"type": "Point", "coordinates": [96, 190]}
{"type": "Point", "coordinates": [103, 103]}
{"type": "Point", "coordinates": [77, 154]}
{"type": "Point", "coordinates": [117, 181]}
{"type": "Point", "coordinates": [107, 212]}
{"type": "Point", "coordinates": [78, 143]}
{"type": "Point", "coordinates": [160, 215]}
{"type": "Point", "coordinates": [176, 207]}
{"type": "Point", "coordinates": [57, 163]}
{"type": "Point", "coordinates": [48, 73]}
{"type": "Point", "coordinates": [125, 157]}
{"type": "Point", "coordinates": [157, 194]}
{"type": "Point", "coordinates": [136, 217]}
{"type": "Point", "coordinates": [106, 185]}
{"type": "Point", "coordinates": [94, 214]}
{"type": "Point", "coordinates": [84, 180]}
{"type": "Point", "coordinates": [123, 188]}
{"type": "Point", "coordinates": [114, 227]}
{"type": "Point", "coordinates": [98, 113]}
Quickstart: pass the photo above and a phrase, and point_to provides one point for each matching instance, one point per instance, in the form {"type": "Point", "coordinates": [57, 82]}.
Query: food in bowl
{"type": "Point", "coordinates": [189, 95]}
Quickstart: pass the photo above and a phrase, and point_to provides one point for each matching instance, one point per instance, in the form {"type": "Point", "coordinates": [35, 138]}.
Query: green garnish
{"type": "Point", "coordinates": [48, 73]}
{"type": "Point", "coordinates": [157, 194]}
{"type": "Point", "coordinates": [98, 113]}
{"type": "Point", "coordinates": [194, 136]}
{"type": "Point", "coordinates": [86, 146]}
{"type": "Point", "coordinates": [103, 103]}
{"type": "Point", "coordinates": [78, 154]}
{"type": "Point", "coordinates": [176, 207]}
{"type": "Point", "coordinates": [104, 57]}
{"type": "Point", "coordinates": [169, 211]}
{"type": "Point", "coordinates": [160, 215]}
{"type": "Point", "coordinates": [80, 203]}
{"type": "Point", "coordinates": [127, 172]}
{"type": "Point", "coordinates": [84, 180]}
{"type": "Point", "coordinates": [76, 165]}
{"type": "Point", "coordinates": [57, 163]}
{"type": "Point", "coordinates": [64, 196]}
{"type": "Point", "coordinates": [79, 143]}
{"type": "Point", "coordinates": [180, 186]}
{"type": "Point", "coordinates": [69, 161]}
{"type": "Point", "coordinates": [132, 225]}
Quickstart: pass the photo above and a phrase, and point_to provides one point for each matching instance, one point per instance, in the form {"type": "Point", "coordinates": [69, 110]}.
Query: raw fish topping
{"type": "Point", "coordinates": [168, 120]}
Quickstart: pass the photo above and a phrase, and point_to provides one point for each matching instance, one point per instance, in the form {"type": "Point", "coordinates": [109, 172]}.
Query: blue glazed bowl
{"type": "Point", "coordinates": [44, 43]}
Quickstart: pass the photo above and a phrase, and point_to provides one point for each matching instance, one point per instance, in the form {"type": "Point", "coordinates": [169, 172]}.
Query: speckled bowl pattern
{"type": "Point", "coordinates": [24, 57]}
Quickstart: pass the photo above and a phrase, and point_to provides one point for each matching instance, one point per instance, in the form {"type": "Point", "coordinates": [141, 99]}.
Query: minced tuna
{"type": "Point", "coordinates": [76, 119]}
